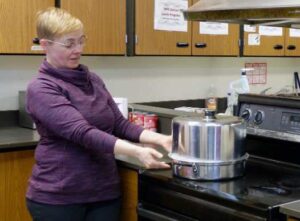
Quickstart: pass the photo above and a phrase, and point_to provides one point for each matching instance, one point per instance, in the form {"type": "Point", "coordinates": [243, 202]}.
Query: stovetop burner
{"type": "Point", "coordinates": [272, 190]}
{"type": "Point", "coordinates": [288, 182]}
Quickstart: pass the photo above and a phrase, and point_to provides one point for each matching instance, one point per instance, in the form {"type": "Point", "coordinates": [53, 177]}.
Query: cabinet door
{"type": "Point", "coordinates": [156, 42]}
{"type": "Point", "coordinates": [15, 170]}
{"type": "Point", "coordinates": [262, 45]}
{"type": "Point", "coordinates": [17, 22]}
{"type": "Point", "coordinates": [129, 187]}
{"type": "Point", "coordinates": [292, 42]}
{"type": "Point", "coordinates": [104, 23]}
{"type": "Point", "coordinates": [216, 44]}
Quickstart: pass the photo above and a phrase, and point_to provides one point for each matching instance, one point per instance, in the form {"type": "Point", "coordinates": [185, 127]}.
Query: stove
{"type": "Point", "coordinates": [272, 176]}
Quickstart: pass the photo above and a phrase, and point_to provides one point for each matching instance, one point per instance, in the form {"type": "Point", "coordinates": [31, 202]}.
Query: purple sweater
{"type": "Point", "coordinates": [78, 122]}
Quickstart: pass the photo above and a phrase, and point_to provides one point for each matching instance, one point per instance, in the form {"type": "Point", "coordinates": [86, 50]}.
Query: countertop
{"type": "Point", "coordinates": [16, 138]}
{"type": "Point", "coordinates": [291, 209]}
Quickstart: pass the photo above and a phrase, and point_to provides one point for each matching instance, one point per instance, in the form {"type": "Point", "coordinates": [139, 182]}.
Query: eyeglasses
{"type": "Point", "coordinates": [71, 44]}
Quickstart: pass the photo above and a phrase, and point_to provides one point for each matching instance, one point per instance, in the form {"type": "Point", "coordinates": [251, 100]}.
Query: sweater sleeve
{"type": "Point", "coordinates": [49, 107]}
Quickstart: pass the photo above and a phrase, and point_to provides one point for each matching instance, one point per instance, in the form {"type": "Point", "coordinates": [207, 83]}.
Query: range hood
{"type": "Point", "coordinates": [280, 13]}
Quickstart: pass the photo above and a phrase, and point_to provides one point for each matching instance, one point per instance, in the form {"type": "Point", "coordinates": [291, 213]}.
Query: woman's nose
{"type": "Point", "coordinates": [78, 48]}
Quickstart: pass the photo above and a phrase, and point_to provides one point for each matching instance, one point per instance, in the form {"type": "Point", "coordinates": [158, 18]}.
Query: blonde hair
{"type": "Point", "coordinates": [55, 22]}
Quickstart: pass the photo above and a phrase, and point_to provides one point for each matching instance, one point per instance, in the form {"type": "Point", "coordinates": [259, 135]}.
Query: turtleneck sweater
{"type": "Point", "coordinates": [78, 123]}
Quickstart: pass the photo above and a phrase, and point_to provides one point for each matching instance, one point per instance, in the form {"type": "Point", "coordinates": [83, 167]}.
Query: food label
{"type": "Point", "coordinates": [211, 103]}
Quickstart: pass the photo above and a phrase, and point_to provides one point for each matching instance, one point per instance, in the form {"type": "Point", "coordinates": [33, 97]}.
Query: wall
{"type": "Point", "coordinates": [150, 78]}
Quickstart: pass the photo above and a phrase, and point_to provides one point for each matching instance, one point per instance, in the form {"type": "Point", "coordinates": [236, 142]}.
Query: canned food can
{"type": "Point", "coordinates": [130, 116]}
{"type": "Point", "coordinates": [150, 122]}
{"type": "Point", "coordinates": [138, 118]}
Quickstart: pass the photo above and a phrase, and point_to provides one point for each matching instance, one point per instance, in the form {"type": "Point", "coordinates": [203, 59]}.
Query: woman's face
{"type": "Point", "coordinates": [65, 51]}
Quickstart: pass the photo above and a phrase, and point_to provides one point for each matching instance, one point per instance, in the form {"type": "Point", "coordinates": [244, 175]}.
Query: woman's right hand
{"type": "Point", "coordinates": [149, 157]}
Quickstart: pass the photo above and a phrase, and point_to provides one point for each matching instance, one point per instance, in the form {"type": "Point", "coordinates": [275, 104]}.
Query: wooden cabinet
{"type": "Point", "coordinates": [261, 45]}
{"type": "Point", "coordinates": [15, 170]}
{"type": "Point", "coordinates": [104, 23]}
{"type": "Point", "coordinates": [283, 45]}
{"type": "Point", "coordinates": [215, 44]}
{"type": "Point", "coordinates": [155, 42]}
{"type": "Point", "coordinates": [129, 187]}
{"type": "Point", "coordinates": [292, 43]}
{"type": "Point", "coordinates": [17, 22]}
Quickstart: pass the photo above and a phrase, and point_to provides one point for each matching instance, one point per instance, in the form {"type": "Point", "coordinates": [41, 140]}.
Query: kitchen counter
{"type": "Point", "coordinates": [17, 138]}
{"type": "Point", "coordinates": [291, 209]}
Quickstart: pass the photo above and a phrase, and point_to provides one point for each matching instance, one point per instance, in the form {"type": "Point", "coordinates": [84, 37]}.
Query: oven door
{"type": "Point", "coordinates": [148, 212]}
{"type": "Point", "coordinates": [160, 201]}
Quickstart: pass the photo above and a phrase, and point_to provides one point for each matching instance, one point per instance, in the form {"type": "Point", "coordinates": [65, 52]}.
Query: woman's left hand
{"type": "Point", "coordinates": [166, 142]}
{"type": "Point", "coordinates": [156, 139]}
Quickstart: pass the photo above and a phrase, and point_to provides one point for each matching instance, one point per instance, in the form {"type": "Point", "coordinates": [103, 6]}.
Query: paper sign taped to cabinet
{"type": "Point", "coordinates": [295, 33]}
{"type": "Point", "coordinates": [253, 39]}
{"type": "Point", "coordinates": [249, 28]}
{"type": "Point", "coordinates": [168, 15]}
{"type": "Point", "coordinates": [36, 48]}
{"type": "Point", "coordinates": [270, 31]}
{"type": "Point", "coordinates": [213, 28]}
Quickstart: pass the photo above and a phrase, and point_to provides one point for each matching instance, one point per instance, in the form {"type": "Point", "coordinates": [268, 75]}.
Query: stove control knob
{"type": "Point", "coordinates": [259, 117]}
{"type": "Point", "coordinates": [246, 114]}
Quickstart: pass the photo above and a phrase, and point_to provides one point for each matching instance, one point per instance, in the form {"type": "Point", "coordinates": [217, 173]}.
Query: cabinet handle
{"type": "Point", "coordinates": [36, 41]}
{"type": "Point", "coordinates": [291, 47]}
{"type": "Point", "coordinates": [182, 44]}
{"type": "Point", "coordinates": [200, 45]}
{"type": "Point", "coordinates": [278, 47]}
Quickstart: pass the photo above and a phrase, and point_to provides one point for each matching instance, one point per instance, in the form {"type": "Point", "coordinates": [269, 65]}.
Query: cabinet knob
{"type": "Point", "coordinates": [278, 47]}
{"type": "Point", "coordinates": [291, 47]}
{"type": "Point", "coordinates": [200, 45]}
{"type": "Point", "coordinates": [182, 44]}
{"type": "Point", "coordinates": [36, 41]}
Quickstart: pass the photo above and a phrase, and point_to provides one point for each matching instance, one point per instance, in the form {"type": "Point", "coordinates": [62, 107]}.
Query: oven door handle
{"type": "Point", "coordinates": [151, 215]}
{"type": "Point", "coordinates": [160, 214]}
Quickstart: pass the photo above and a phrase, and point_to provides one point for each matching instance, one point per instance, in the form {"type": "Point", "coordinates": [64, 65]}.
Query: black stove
{"type": "Point", "coordinates": [272, 175]}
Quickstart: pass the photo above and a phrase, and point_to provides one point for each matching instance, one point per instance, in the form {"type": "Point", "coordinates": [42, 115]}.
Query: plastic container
{"type": "Point", "coordinates": [229, 109]}
{"type": "Point", "coordinates": [211, 100]}
{"type": "Point", "coordinates": [237, 87]}
{"type": "Point", "coordinates": [240, 86]}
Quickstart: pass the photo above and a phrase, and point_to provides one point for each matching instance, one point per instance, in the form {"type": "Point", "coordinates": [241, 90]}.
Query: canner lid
{"type": "Point", "coordinates": [219, 119]}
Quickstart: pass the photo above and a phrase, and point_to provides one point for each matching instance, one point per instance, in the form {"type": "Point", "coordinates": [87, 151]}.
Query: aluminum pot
{"type": "Point", "coordinates": [208, 148]}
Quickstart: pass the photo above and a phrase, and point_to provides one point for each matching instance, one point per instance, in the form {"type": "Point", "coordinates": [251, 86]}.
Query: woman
{"type": "Point", "coordinates": [81, 128]}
